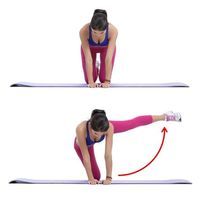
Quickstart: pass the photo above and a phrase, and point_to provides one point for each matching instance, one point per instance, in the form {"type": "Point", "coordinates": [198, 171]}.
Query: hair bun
{"type": "Point", "coordinates": [97, 111]}
{"type": "Point", "coordinates": [100, 11]}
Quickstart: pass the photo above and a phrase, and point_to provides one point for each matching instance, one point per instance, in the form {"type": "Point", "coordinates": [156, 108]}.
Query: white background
{"type": "Point", "coordinates": [39, 41]}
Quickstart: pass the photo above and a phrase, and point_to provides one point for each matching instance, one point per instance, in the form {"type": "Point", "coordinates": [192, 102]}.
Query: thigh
{"type": "Point", "coordinates": [125, 125]}
{"type": "Point", "coordinates": [78, 150]}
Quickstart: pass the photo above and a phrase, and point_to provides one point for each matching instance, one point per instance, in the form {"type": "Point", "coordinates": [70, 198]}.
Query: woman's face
{"type": "Point", "coordinates": [98, 33]}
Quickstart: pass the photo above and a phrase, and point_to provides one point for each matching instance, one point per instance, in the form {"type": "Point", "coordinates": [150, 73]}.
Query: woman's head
{"type": "Point", "coordinates": [99, 20]}
{"type": "Point", "coordinates": [99, 121]}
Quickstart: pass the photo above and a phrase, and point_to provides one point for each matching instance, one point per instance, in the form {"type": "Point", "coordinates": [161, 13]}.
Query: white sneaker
{"type": "Point", "coordinates": [171, 116]}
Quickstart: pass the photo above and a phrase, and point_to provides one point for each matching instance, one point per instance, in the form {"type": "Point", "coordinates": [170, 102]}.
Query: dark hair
{"type": "Point", "coordinates": [99, 121]}
{"type": "Point", "coordinates": [99, 20]}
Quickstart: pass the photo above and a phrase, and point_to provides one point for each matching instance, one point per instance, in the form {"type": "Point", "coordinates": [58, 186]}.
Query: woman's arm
{"type": "Point", "coordinates": [113, 32]}
{"type": "Point", "coordinates": [86, 49]}
{"type": "Point", "coordinates": [108, 155]}
{"type": "Point", "coordinates": [84, 150]}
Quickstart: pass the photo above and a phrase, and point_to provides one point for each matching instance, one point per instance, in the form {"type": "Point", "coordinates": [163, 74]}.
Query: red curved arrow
{"type": "Point", "coordinates": [164, 130]}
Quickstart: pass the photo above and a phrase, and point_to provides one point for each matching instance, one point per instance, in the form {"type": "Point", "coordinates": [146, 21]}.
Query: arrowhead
{"type": "Point", "coordinates": [164, 130]}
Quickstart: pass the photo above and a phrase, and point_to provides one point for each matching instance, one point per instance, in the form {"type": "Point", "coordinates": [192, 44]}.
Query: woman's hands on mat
{"type": "Point", "coordinates": [106, 84]}
{"type": "Point", "coordinates": [103, 85]}
{"type": "Point", "coordinates": [93, 181]}
{"type": "Point", "coordinates": [93, 85]}
{"type": "Point", "coordinates": [107, 181]}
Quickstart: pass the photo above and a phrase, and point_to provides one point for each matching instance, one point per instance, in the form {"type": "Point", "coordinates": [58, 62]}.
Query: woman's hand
{"type": "Point", "coordinates": [93, 182]}
{"type": "Point", "coordinates": [108, 181]}
{"type": "Point", "coordinates": [92, 85]}
{"type": "Point", "coordinates": [106, 84]}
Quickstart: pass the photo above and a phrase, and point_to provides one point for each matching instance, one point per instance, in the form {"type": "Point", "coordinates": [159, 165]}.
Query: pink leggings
{"type": "Point", "coordinates": [119, 126]}
{"type": "Point", "coordinates": [102, 72]}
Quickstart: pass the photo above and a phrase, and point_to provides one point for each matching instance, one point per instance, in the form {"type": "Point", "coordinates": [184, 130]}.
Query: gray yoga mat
{"type": "Point", "coordinates": [113, 85]}
{"type": "Point", "coordinates": [34, 181]}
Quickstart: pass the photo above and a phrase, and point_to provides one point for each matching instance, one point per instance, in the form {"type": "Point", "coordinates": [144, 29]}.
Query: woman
{"type": "Point", "coordinates": [99, 127]}
{"type": "Point", "coordinates": [98, 36]}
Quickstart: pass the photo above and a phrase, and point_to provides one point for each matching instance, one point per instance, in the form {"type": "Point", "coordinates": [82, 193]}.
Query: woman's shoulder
{"type": "Point", "coordinates": [85, 28]}
{"type": "Point", "coordinates": [112, 30]}
{"type": "Point", "coordinates": [111, 128]}
{"type": "Point", "coordinates": [81, 127]}
{"type": "Point", "coordinates": [112, 27]}
{"type": "Point", "coordinates": [84, 31]}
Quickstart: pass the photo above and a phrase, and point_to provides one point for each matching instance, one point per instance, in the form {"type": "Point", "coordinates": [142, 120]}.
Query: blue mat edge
{"type": "Point", "coordinates": [113, 85]}
{"type": "Point", "coordinates": [167, 181]}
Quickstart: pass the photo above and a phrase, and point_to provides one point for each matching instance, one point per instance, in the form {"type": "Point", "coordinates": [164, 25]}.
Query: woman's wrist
{"type": "Point", "coordinates": [91, 82]}
{"type": "Point", "coordinates": [109, 177]}
{"type": "Point", "coordinates": [107, 81]}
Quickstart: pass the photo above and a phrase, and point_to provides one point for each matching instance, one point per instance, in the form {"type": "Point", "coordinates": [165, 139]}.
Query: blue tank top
{"type": "Point", "coordinates": [90, 142]}
{"type": "Point", "coordinates": [93, 43]}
